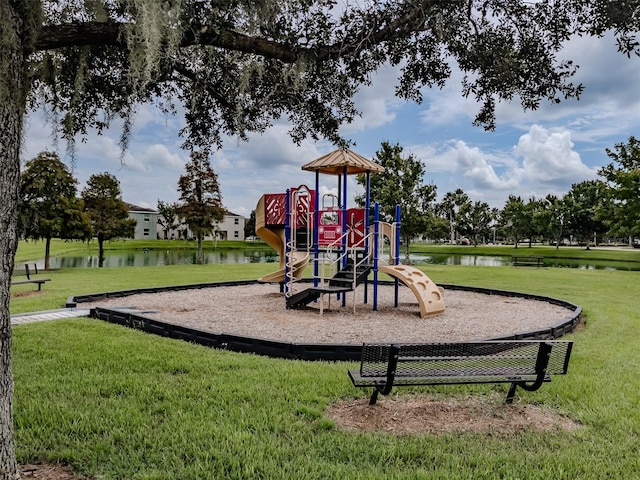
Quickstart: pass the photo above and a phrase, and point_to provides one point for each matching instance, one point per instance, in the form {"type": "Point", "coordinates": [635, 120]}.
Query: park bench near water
{"type": "Point", "coordinates": [28, 272]}
{"type": "Point", "coordinates": [527, 261]}
{"type": "Point", "coordinates": [522, 363]}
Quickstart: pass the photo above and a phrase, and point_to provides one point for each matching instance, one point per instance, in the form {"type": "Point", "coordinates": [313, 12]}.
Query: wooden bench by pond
{"type": "Point", "coordinates": [522, 363]}
{"type": "Point", "coordinates": [527, 261]}
{"type": "Point", "coordinates": [28, 272]}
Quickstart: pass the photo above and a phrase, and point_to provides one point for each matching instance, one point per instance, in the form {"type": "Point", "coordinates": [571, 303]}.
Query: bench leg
{"type": "Point", "coordinates": [512, 393]}
{"type": "Point", "coordinates": [374, 397]}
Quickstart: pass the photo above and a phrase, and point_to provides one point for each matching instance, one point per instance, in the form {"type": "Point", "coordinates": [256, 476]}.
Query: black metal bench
{"type": "Point", "coordinates": [522, 363]}
{"type": "Point", "coordinates": [527, 261]}
{"type": "Point", "coordinates": [27, 272]}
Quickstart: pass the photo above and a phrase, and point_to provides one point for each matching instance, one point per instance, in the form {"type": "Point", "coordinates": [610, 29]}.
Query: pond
{"type": "Point", "coordinates": [138, 258]}
{"type": "Point", "coordinates": [504, 261]}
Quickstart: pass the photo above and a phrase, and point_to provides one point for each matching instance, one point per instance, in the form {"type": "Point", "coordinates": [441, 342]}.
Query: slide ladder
{"type": "Point", "coordinates": [427, 293]}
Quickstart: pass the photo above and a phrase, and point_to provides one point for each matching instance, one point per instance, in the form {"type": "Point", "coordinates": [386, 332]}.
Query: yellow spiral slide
{"type": "Point", "coordinates": [274, 237]}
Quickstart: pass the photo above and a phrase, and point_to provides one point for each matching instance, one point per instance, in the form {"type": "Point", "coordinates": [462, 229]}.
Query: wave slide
{"type": "Point", "coordinates": [274, 237]}
{"type": "Point", "coordinates": [428, 294]}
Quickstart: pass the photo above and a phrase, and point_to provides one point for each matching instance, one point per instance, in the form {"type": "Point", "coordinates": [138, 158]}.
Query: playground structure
{"type": "Point", "coordinates": [341, 244]}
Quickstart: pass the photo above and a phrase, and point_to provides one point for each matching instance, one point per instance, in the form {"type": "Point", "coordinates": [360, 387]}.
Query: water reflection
{"type": "Point", "coordinates": [159, 257]}
{"type": "Point", "coordinates": [181, 257]}
{"type": "Point", "coordinates": [503, 261]}
{"type": "Point", "coordinates": [466, 260]}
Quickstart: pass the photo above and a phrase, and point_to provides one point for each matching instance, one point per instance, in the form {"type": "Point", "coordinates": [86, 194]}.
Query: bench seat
{"type": "Point", "coordinates": [524, 363]}
{"type": "Point", "coordinates": [38, 281]}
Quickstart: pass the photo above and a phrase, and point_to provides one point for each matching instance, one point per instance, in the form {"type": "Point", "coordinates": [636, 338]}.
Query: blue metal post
{"type": "Point", "coordinates": [376, 240]}
{"type": "Point", "coordinates": [287, 237]}
{"type": "Point", "coordinates": [344, 225]}
{"type": "Point", "coordinates": [316, 227]}
{"type": "Point", "coordinates": [396, 259]}
{"type": "Point", "coordinates": [367, 223]}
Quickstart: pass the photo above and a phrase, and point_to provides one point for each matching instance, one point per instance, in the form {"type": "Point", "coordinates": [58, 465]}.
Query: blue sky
{"type": "Point", "coordinates": [529, 153]}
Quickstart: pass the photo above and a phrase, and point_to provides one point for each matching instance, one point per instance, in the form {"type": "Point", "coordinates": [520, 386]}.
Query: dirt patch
{"type": "Point", "coordinates": [26, 293]}
{"type": "Point", "coordinates": [46, 472]}
{"type": "Point", "coordinates": [417, 414]}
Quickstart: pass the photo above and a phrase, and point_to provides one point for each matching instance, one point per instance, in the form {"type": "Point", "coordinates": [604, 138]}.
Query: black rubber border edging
{"type": "Point", "coordinates": [279, 349]}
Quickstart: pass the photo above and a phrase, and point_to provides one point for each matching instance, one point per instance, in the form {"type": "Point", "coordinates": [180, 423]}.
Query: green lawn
{"type": "Point", "coordinates": [120, 404]}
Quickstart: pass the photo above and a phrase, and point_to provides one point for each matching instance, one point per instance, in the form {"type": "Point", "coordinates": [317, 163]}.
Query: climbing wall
{"type": "Point", "coordinates": [428, 294]}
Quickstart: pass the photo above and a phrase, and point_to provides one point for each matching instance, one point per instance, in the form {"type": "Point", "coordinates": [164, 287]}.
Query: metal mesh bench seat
{"type": "Point", "coordinates": [522, 363]}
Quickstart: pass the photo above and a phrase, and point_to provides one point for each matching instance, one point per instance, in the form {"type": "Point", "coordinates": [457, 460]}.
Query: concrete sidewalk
{"type": "Point", "coordinates": [49, 315]}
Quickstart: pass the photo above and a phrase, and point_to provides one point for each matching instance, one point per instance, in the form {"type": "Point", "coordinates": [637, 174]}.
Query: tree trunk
{"type": "Point", "coordinates": [47, 253]}
{"type": "Point", "coordinates": [199, 254]}
{"type": "Point", "coordinates": [407, 260]}
{"type": "Point", "coordinates": [100, 251]}
{"type": "Point", "coordinates": [12, 106]}
{"type": "Point", "coordinates": [451, 230]}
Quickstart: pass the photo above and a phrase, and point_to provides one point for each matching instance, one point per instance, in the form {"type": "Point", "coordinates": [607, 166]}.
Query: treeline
{"type": "Point", "coordinates": [593, 211]}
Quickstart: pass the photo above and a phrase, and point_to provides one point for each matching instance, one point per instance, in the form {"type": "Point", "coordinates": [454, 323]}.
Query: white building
{"type": "Point", "coordinates": [146, 222]}
{"type": "Point", "coordinates": [230, 228]}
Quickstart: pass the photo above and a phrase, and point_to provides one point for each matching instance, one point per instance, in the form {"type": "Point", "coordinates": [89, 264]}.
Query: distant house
{"type": "Point", "coordinates": [230, 228]}
{"type": "Point", "coordinates": [146, 222]}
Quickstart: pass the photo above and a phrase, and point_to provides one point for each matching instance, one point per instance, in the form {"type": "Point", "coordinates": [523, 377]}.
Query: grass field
{"type": "Point", "coordinates": [120, 404]}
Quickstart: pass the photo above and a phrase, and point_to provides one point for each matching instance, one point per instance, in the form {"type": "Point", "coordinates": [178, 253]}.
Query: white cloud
{"type": "Point", "coordinates": [447, 106]}
{"type": "Point", "coordinates": [549, 158]}
{"type": "Point", "coordinates": [156, 156]}
{"type": "Point", "coordinates": [483, 170]}
{"type": "Point", "coordinates": [543, 161]}
{"type": "Point", "coordinates": [376, 102]}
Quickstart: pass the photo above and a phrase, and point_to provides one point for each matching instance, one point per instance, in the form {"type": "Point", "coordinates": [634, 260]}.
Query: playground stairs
{"type": "Point", "coordinates": [341, 282]}
{"type": "Point", "coordinates": [344, 277]}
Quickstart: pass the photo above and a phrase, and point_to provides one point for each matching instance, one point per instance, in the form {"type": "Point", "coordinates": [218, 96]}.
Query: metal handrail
{"type": "Point", "coordinates": [326, 261]}
{"type": "Point", "coordinates": [349, 252]}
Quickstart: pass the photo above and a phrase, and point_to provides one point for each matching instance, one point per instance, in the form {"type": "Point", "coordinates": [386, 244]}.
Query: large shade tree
{"type": "Point", "coordinates": [236, 66]}
{"type": "Point", "coordinates": [49, 207]}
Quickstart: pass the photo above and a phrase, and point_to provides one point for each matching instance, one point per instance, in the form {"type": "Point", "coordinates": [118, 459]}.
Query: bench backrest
{"type": "Point", "coordinates": [28, 270]}
{"type": "Point", "coordinates": [468, 358]}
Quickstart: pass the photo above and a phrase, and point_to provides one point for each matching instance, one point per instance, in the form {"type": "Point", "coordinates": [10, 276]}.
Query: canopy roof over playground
{"type": "Point", "coordinates": [334, 163]}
